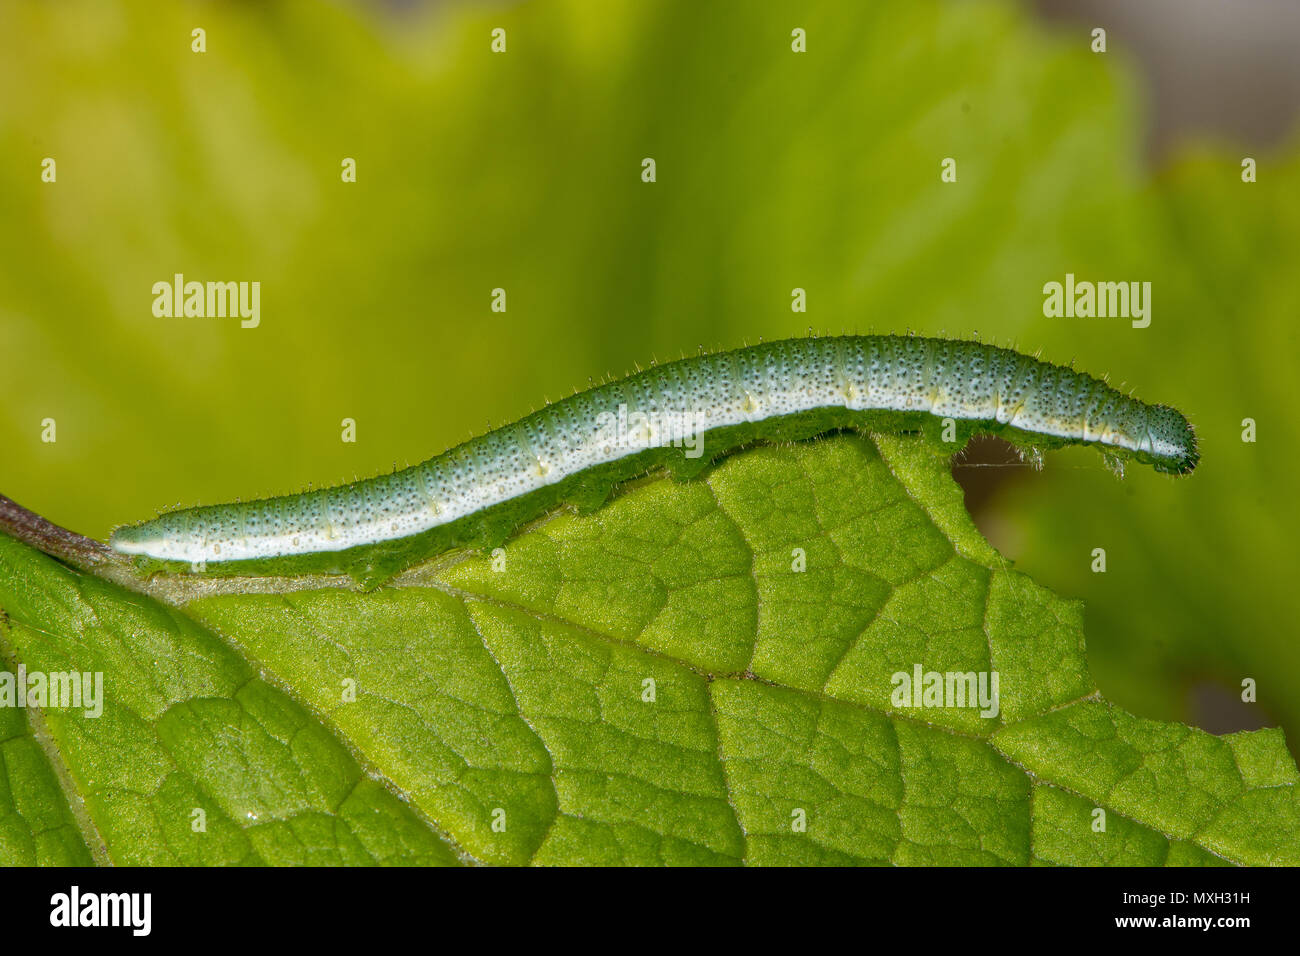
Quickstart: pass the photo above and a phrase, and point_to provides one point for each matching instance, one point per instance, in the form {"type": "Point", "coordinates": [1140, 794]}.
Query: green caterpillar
{"type": "Point", "coordinates": [575, 450]}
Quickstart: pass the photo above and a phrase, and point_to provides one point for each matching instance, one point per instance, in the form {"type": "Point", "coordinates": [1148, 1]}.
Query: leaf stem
{"type": "Point", "coordinates": [58, 542]}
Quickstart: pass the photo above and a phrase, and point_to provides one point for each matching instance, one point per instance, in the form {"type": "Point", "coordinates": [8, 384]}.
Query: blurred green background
{"type": "Point", "coordinates": [522, 170]}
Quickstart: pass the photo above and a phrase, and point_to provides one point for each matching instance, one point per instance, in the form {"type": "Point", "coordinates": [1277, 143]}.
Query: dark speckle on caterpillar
{"type": "Point", "coordinates": [575, 450]}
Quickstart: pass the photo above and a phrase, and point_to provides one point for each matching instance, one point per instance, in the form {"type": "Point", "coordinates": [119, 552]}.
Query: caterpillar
{"type": "Point", "coordinates": [576, 450]}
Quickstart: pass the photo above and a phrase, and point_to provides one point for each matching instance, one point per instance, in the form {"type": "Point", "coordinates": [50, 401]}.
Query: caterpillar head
{"type": "Point", "coordinates": [1173, 443]}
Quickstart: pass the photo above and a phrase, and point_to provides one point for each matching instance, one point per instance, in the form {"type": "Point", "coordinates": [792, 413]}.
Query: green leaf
{"type": "Point", "coordinates": [776, 170]}
{"type": "Point", "coordinates": [699, 672]}
{"type": "Point", "coordinates": [36, 823]}
{"type": "Point", "coordinates": [195, 759]}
